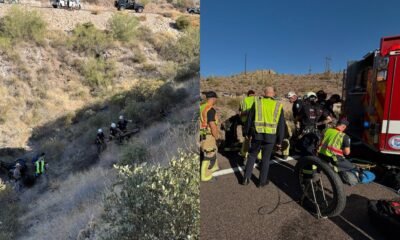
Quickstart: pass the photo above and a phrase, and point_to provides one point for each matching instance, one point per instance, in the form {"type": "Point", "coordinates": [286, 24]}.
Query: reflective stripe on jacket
{"type": "Point", "coordinates": [332, 142]}
{"type": "Point", "coordinates": [39, 166]}
{"type": "Point", "coordinates": [267, 113]}
{"type": "Point", "coordinates": [245, 106]}
{"type": "Point", "coordinates": [204, 128]}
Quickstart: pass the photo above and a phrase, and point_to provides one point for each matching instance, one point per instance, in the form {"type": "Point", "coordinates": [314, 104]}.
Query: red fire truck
{"type": "Point", "coordinates": [371, 93]}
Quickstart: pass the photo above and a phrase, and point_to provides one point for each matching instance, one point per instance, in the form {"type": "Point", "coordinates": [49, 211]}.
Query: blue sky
{"type": "Point", "coordinates": [290, 36]}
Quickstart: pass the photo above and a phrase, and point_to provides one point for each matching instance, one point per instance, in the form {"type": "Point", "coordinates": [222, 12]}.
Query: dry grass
{"type": "Point", "coordinates": [283, 83]}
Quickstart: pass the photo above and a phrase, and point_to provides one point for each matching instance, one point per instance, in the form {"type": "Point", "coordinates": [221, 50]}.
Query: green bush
{"type": "Point", "coordinates": [133, 153]}
{"type": "Point", "coordinates": [188, 71]}
{"type": "Point", "coordinates": [23, 25]}
{"type": "Point", "coordinates": [5, 44]}
{"type": "Point", "coordinates": [155, 202]}
{"type": "Point", "coordinates": [87, 38]}
{"type": "Point", "coordinates": [183, 3]}
{"type": "Point", "coordinates": [98, 72]}
{"type": "Point", "coordinates": [185, 49]}
{"type": "Point", "coordinates": [183, 22]}
{"type": "Point", "coordinates": [123, 27]}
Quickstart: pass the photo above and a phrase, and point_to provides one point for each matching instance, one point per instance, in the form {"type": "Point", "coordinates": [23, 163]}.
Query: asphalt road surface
{"type": "Point", "coordinates": [232, 211]}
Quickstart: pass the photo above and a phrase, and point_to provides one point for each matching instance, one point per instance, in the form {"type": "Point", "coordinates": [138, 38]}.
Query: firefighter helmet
{"type": "Point", "coordinates": [311, 95]}
{"type": "Point", "coordinates": [291, 94]}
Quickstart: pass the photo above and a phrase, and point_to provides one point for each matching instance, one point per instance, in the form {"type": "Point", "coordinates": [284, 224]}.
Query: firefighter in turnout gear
{"type": "Point", "coordinates": [310, 118]}
{"type": "Point", "coordinates": [245, 106]}
{"type": "Point", "coordinates": [209, 136]}
{"type": "Point", "coordinates": [265, 128]}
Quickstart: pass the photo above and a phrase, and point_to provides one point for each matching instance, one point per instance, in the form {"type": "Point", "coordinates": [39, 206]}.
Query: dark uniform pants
{"type": "Point", "coordinates": [266, 148]}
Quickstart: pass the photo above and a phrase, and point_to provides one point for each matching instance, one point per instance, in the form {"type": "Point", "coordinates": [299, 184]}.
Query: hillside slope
{"type": "Point", "coordinates": [57, 87]}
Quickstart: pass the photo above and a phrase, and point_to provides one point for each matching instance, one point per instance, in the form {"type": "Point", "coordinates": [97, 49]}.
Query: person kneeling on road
{"type": "Point", "coordinates": [334, 147]}
{"type": "Point", "coordinates": [265, 127]}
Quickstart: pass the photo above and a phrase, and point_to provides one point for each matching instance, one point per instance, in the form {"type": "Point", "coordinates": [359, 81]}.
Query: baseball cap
{"type": "Point", "coordinates": [211, 94]}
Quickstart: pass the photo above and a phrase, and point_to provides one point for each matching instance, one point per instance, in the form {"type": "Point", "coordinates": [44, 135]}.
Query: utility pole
{"type": "Point", "coordinates": [328, 64]}
{"type": "Point", "coordinates": [245, 64]}
{"type": "Point", "coordinates": [309, 69]}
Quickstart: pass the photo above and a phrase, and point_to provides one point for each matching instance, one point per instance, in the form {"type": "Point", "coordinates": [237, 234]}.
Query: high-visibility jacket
{"type": "Point", "coordinates": [268, 112]}
{"type": "Point", "coordinates": [204, 128]}
{"type": "Point", "coordinates": [245, 106]}
{"type": "Point", "coordinates": [331, 145]}
{"type": "Point", "coordinates": [39, 166]}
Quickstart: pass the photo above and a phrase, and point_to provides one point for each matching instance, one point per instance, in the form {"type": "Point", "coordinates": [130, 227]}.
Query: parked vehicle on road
{"type": "Point", "coordinates": [129, 4]}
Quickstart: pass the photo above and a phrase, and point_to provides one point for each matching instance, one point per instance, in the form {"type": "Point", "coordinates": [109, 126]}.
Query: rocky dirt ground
{"type": "Point", "coordinates": [66, 20]}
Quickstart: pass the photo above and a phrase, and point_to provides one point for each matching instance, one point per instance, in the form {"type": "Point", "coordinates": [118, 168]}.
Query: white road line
{"type": "Point", "coordinates": [241, 168]}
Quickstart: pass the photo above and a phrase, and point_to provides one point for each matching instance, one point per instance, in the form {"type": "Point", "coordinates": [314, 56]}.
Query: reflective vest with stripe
{"type": "Point", "coordinates": [268, 112]}
{"type": "Point", "coordinates": [39, 165]}
{"type": "Point", "coordinates": [245, 106]}
{"type": "Point", "coordinates": [331, 144]}
{"type": "Point", "coordinates": [204, 128]}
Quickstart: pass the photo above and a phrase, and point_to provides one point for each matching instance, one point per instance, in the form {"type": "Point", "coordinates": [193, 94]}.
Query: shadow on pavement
{"type": "Point", "coordinates": [354, 219]}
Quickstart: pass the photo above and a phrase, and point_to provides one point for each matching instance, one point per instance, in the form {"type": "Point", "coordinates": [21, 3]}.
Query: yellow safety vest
{"type": "Point", "coordinates": [39, 164]}
{"type": "Point", "coordinates": [245, 106]}
{"type": "Point", "coordinates": [331, 144]}
{"type": "Point", "coordinates": [268, 112]}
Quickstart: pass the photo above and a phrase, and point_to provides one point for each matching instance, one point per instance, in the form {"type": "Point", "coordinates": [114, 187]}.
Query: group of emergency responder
{"type": "Point", "coordinates": [117, 131]}
{"type": "Point", "coordinates": [19, 170]}
{"type": "Point", "coordinates": [263, 127]}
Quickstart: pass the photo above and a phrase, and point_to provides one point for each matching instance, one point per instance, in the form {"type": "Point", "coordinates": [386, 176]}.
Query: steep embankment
{"type": "Point", "coordinates": [58, 86]}
{"type": "Point", "coordinates": [40, 82]}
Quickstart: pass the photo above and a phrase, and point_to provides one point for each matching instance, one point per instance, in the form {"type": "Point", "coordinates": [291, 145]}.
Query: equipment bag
{"type": "Point", "coordinates": [385, 214]}
{"type": "Point", "coordinates": [366, 176]}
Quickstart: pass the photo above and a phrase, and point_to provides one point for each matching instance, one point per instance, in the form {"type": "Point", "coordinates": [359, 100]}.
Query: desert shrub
{"type": "Point", "coordinates": [185, 49]}
{"type": "Point", "coordinates": [145, 34]}
{"type": "Point", "coordinates": [87, 38]}
{"type": "Point", "coordinates": [183, 22]}
{"type": "Point", "coordinates": [54, 148]}
{"type": "Point", "coordinates": [145, 90]}
{"type": "Point", "coordinates": [167, 14]}
{"type": "Point", "coordinates": [168, 70]}
{"type": "Point", "coordinates": [133, 153]}
{"type": "Point", "coordinates": [155, 202]}
{"type": "Point", "coordinates": [167, 95]}
{"type": "Point", "coordinates": [9, 212]}
{"type": "Point", "coordinates": [123, 27]}
{"type": "Point", "coordinates": [188, 71]}
{"type": "Point", "coordinates": [23, 25]}
{"type": "Point", "coordinates": [5, 44]}
{"type": "Point", "coordinates": [183, 3]}
{"type": "Point", "coordinates": [139, 57]}
{"type": "Point", "coordinates": [142, 112]}
{"type": "Point", "coordinates": [148, 67]}
{"type": "Point", "coordinates": [233, 103]}
{"type": "Point", "coordinates": [98, 72]}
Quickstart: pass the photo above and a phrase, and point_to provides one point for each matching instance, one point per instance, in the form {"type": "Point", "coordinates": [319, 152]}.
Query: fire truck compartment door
{"type": "Point", "coordinates": [391, 121]}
